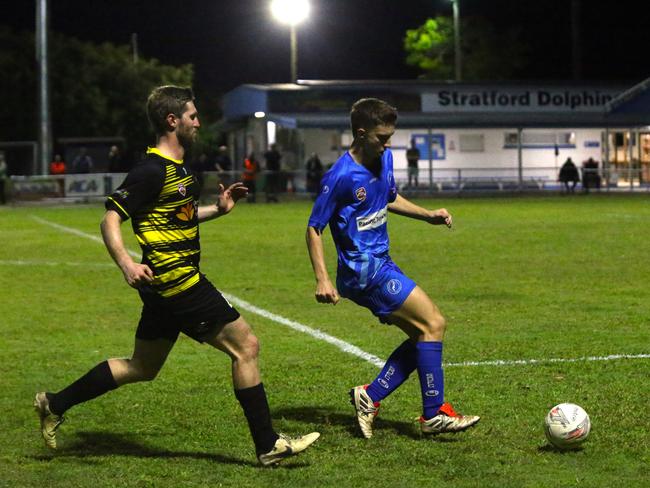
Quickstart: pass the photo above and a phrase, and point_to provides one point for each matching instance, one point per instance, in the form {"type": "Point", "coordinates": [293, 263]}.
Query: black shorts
{"type": "Point", "coordinates": [198, 313]}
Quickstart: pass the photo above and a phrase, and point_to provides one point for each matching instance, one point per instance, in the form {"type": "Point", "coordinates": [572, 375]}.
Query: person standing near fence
{"type": "Point", "coordinates": [412, 160]}
{"type": "Point", "coordinates": [82, 163]}
{"type": "Point", "coordinates": [314, 169]}
{"type": "Point", "coordinates": [590, 176]}
{"type": "Point", "coordinates": [273, 158]}
{"type": "Point", "coordinates": [251, 170]}
{"type": "Point", "coordinates": [223, 165]}
{"type": "Point", "coordinates": [569, 175]}
{"type": "Point", "coordinates": [3, 178]}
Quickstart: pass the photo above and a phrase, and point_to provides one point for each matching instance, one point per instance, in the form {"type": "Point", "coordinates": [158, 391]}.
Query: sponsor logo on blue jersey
{"type": "Point", "coordinates": [373, 220]}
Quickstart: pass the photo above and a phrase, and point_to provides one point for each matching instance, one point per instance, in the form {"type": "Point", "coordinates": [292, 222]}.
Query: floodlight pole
{"type": "Point", "coordinates": [457, 53]}
{"type": "Point", "coordinates": [294, 54]}
{"type": "Point", "coordinates": [44, 126]}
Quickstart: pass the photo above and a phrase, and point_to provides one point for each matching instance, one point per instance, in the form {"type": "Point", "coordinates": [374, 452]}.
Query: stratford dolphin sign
{"type": "Point", "coordinates": [461, 99]}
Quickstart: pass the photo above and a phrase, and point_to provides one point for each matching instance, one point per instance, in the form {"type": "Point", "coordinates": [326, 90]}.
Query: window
{"type": "Point", "coordinates": [540, 140]}
{"type": "Point", "coordinates": [471, 143]}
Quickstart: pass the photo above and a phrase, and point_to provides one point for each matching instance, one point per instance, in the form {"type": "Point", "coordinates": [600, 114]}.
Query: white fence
{"type": "Point", "coordinates": [95, 186]}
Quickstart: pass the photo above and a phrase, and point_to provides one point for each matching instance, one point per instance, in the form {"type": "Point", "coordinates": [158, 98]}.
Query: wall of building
{"type": "Point", "coordinates": [476, 152]}
{"type": "Point", "coordinates": [493, 157]}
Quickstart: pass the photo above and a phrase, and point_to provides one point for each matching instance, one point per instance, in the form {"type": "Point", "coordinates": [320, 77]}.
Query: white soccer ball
{"type": "Point", "coordinates": [567, 426]}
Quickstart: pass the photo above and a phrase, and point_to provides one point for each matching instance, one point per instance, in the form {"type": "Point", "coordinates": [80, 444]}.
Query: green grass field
{"type": "Point", "coordinates": [518, 279]}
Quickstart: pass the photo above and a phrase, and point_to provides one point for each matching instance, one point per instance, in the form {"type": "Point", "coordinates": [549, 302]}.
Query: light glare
{"type": "Point", "coordinates": [271, 130]}
{"type": "Point", "coordinates": [259, 115]}
{"type": "Point", "coordinates": [290, 11]}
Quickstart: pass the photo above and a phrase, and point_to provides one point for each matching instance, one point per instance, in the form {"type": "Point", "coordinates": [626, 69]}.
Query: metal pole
{"type": "Point", "coordinates": [576, 54]}
{"type": "Point", "coordinates": [630, 151]}
{"type": "Point", "coordinates": [134, 47]}
{"type": "Point", "coordinates": [294, 54]}
{"type": "Point", "coordinates": [606, 165]}
{"type": "Point", "coordinates": [457, 53]}
{"type": "Point", "coordinates": [44, 126]}
{"type": "Point", "coordinates": [520, 163]}
{"type": "Point", "coordinates": [430, 160]}
{"type": "Point", "coordinates": [639, 167]}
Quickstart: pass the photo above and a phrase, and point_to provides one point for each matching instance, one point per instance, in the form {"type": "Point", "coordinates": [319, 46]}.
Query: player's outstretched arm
{"type": "Point", "coordinates": [226, 200]}
{"type": "Point", "coordinates": [134, 273]}
{"type": "Point", "coordinates": [402, 206]}
{"type": "Point", "coordinates": [325, 290]}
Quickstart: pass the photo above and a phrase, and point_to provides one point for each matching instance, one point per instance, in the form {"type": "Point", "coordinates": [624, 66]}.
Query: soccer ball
{"type": "Point", "coordinates": [567, 426]}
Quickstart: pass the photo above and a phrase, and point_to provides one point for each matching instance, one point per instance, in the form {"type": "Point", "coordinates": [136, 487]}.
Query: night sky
{"type": "Point", "coordinates": [231, 42]}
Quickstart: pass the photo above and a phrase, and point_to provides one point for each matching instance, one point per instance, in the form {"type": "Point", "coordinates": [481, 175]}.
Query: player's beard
{"type": "Point", "coordinates": [186, 137]}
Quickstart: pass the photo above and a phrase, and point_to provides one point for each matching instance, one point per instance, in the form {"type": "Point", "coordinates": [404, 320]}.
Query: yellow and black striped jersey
{"type": "Point", "coordinates": [160, 197]}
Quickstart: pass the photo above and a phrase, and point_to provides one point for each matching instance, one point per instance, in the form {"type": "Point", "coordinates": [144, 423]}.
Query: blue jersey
{"type": "Point", "coordinates": [354, 202]}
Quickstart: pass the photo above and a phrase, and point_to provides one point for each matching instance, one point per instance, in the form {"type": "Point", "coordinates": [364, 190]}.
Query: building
{"type": "Point", "coordinates": [469, 134]}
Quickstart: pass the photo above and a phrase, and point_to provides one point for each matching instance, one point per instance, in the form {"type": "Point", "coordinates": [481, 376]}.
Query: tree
{"type": "Point", "coordinates": [488, 54]}
{"type": "Point", "coordinates": [95, 90]}
{"type": "Point", "coordinates": [430, 47]}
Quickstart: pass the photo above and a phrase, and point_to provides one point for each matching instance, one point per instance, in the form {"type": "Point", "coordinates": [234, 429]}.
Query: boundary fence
{"type": "Point", "coordinates": [95, 186]}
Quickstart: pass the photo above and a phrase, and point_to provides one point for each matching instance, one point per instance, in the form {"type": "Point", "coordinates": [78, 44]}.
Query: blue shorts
{"type": "Point", "coordinates": [385, 293]}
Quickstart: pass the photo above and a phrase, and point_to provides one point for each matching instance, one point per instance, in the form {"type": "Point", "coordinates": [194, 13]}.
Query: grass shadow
{"type": "Point", "coordinates": [556, 450]}
{"type": "Point", "coordinates": [332, 417]}
{"type": "Point", "coordinates": [98, 443]}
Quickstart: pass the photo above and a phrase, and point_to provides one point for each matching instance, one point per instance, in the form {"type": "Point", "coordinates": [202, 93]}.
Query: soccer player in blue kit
{"type": "Point", "coordinates": [355, 197]}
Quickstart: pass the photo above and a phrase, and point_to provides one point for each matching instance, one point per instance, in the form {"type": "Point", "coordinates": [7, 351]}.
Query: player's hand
{"type": "Point", "coordinates": [440, 217]}
{"type": "Point", "coordinates": [326, 293]}
{"type": "Point", "coordinates": [227, 197]}
{"type": "Point", "coordinates": [137, 274]}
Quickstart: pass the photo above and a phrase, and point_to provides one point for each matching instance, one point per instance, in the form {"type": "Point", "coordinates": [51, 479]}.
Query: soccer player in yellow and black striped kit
{"type": "Point", "coordinates": [160, 197]}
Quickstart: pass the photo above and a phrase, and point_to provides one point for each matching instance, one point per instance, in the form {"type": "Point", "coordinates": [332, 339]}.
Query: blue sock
{"type": "Point", "coordinates": [397, 369]}
{"type": "Point", "coordinates": [432, 382]}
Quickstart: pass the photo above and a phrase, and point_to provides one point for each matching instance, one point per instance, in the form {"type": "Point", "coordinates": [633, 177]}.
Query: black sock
{"type": "Point", "coordinates": [95, 382]}
{"type": "Point", "coordinates": [256, 408]}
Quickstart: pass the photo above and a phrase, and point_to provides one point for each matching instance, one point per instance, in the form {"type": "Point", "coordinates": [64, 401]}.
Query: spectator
{"type": "Point", "coordinates": [272, 157]}
{"type": "Point", "coordinates": [569, 174]}
{"type": "Point", "coordinates": [251, 169]}
{"type": "Point", "coordinates": [82, 163]}
{"type": "Point", "coordinates": [114, 160]}
{"type": "Point", "coordinates": [3, 178]}
{"type": "Point", "coordinates": [198, 166]}
{"type": "Point", "coordinates": [590, 176]}
{"type": "Point", "coordinates": [314, 174]}
{"type": "Point", "coordinates": [412, 159]}
{"type": "Point", "coordinates": [57, 166]}
{"type": "Point", "coordinates": [223, 164]}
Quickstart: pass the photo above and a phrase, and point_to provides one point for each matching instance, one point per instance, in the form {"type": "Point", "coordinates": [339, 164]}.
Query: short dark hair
{"type": "Point", "coordinates": [165, 100]}
{"type": "Point", "coordinates": [371, 112]}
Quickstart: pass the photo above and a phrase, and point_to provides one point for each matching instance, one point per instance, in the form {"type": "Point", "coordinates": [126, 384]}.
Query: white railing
{"type": "Point", "coordinates": [95, 186]}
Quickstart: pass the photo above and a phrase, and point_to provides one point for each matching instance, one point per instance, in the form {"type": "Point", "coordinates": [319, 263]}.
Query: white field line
{"type": "Point", "coordinates": [354, 350]}
{"type": "Point", "coordinates": [341, 344]}
{"type": "Point", "coordinates": [526, 362]}
{"type": "Point", "coordinates": [77, 232]}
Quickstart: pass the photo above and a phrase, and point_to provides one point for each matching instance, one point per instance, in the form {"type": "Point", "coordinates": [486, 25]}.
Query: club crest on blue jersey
{"type": "Point", "coordinates": [394, 286]}
{"type": "Point", "coordinates": [181, 189]}
{"type": "Point", "coordinates": [361, 194]}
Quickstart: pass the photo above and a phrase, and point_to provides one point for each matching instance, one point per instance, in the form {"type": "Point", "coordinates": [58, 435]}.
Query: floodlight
{"type": "Point", "coordinates": [290, 12]}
